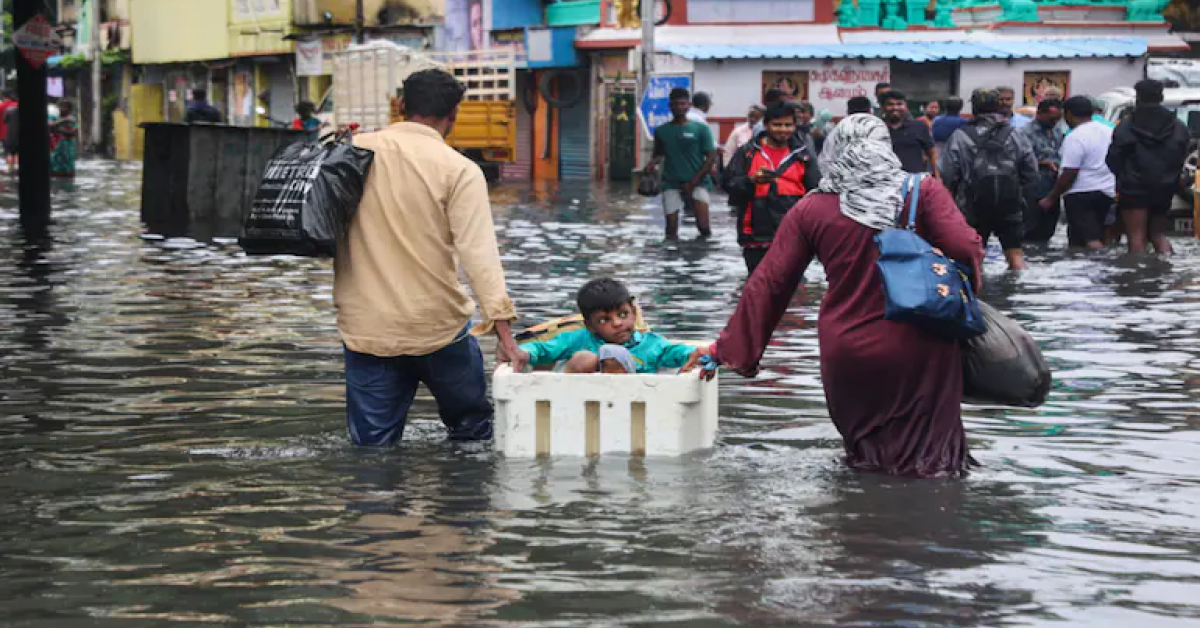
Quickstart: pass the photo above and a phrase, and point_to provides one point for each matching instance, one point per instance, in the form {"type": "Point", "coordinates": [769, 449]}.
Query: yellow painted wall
{"type": "Point", "coordinates": [262, 83]}
{"type": "Point", "coordinates": [173, 31]}
{"type": "Point", "coordinates": [311, 12]}
{"type": "Point", "coordinates": [316, 88]}
{"type": "Point", "coordinates": [257, 27]}
{"type": "Point", "coordinates": [145, 105]}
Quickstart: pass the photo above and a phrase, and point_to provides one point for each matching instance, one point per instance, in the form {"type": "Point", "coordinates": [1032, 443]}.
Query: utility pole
{"type": "Point", "coordinates": [34, 183]}
{"type": "Point", "coordinates": [358, 21]}
{"type": "Point", "coordinates": [94, 45]}
{"type": "Point", "coordinates": [647, 17]}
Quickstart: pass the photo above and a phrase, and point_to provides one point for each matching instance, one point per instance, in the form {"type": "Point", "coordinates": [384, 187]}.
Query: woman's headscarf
{"type": "Point", "coordinates": [858, 165]}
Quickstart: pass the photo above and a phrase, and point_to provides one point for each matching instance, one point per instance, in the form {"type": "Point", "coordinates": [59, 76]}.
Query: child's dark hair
{"type": "Point", "coordinates": [602, 295]}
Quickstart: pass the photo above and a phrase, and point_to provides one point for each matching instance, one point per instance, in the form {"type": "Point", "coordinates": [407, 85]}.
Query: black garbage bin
{"type": "Point", "coordinates": [199, 180]}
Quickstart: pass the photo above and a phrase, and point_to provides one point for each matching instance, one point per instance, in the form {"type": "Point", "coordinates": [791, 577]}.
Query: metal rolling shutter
{"type": "Point", "coordinates": [574, 154]}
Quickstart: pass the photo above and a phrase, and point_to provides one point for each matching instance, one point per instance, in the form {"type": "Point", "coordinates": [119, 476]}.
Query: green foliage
{"type": "Point", "coordinates": [114, 56]}
{"type": "Point", "coordinates": [72, 62]}
{"type": "Point", "coordinates": [8, 29]}
{"type": "Point", "coordinates": [107, 57]}
{"type": "Point", "coordinates": [109, 103]}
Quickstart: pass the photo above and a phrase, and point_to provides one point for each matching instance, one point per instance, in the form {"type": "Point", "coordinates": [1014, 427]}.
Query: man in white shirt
{"type": "Point", "coordinates": [701, 103]}
{"type": "Point", "coordinates": [1085, 184]}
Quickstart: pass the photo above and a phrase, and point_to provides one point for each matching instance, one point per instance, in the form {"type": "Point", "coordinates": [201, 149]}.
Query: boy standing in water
{"type": "Point", "coordinates": [609, 341]}
{"type": "Point", "coordinates": [687, 153]}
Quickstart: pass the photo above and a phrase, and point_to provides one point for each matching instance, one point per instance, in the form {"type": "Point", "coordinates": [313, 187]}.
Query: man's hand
{"type": "Point", "coordinates": [509, 353]}
{"type": "Point", "coordinates": [762, 177]}
{"type": "Point", "coordinates": [688, 188]}
{"type": "Point", "coordinates": [1047, 204]}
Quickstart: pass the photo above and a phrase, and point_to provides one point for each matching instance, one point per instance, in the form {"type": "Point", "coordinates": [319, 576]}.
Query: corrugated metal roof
{"type": "Point", "coordinates": [925, 51]}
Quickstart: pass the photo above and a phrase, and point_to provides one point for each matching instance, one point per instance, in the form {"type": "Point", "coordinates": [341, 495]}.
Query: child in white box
{"type": "Point", "coordinates": [609, 341]}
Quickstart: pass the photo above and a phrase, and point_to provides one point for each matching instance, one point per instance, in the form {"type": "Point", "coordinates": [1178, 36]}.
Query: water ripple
{"type": "Point", "coordinates": [171, 419]}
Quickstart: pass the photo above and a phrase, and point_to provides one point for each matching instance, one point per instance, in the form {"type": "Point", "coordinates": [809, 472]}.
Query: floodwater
{"type": "Point", "coordinates": [173, 453]}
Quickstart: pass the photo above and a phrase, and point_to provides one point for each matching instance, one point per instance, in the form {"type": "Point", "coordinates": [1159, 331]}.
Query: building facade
{"type": "Point", "coordinates": [826, 52]}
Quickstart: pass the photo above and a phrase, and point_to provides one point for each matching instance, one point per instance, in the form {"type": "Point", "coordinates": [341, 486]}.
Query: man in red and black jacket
{"type": "Point", "coordinates": [765, 178]}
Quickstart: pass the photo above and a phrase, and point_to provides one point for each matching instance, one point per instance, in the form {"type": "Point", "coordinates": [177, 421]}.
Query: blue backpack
{"type": "Point", "coordinates": [921, 285]}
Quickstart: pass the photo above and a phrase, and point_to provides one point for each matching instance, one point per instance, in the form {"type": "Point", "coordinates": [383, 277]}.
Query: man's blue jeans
{"type": "Point", "coordinates": [379, 392]}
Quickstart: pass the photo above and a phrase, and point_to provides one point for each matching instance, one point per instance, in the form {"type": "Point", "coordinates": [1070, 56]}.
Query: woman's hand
{"type": "Point", "coordinates": [702, 358]}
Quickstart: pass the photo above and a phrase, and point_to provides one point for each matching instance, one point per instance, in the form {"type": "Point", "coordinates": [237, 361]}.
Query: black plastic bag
{"type": "Point", "coordinates": [1004, 366]}
{"type": "Point", "coordinates": [650, 183]}
{"type": "Point", "coordinates": [308, 196]}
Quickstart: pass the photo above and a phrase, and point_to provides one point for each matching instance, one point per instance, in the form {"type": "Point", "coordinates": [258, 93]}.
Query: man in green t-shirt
{"type": "Point", "coordinates": [687, 153]}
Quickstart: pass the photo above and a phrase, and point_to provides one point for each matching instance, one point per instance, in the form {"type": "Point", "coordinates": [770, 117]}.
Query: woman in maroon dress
{"type": "Point", "coordinates": [894, 391]}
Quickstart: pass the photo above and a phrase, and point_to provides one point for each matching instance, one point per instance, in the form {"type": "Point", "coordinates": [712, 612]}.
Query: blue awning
{"type": "Point", "coordinates": [925, 51]}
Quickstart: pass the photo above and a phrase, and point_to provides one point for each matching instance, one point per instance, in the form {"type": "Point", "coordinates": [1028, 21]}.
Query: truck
{"type": "Point", "coordinates": [368, 86]}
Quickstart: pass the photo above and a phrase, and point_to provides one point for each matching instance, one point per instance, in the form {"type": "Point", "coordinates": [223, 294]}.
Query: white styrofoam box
{"type": "Point", "coordinates": [558, 414]}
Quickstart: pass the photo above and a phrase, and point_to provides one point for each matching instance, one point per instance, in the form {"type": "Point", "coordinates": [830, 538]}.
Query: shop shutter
{"type": "Point", "coordinates": [575, 160]}
{"type": "Point", "coordinates": [521, 169]}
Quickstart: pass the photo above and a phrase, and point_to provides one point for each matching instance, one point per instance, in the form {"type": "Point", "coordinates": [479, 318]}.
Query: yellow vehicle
{"type": "Point", "coordinates": [368, 85]}
{"type": "Point", "coordinates": [486, 130]}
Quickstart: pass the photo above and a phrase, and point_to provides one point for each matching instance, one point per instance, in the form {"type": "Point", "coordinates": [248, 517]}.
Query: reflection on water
{"type": "Point", "coordinates": [174, 452]}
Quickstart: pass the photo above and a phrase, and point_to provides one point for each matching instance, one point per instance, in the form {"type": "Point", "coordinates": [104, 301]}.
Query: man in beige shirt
{"type": "Point", "coordinates": [402, 312]}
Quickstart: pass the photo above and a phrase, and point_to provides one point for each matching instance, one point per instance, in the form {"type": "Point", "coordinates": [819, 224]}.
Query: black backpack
{"type": "Point", "coordinates": [995, 183]}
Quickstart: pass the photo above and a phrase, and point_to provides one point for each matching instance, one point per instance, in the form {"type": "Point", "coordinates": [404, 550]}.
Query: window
{"type": "Point", "coordinates": [715, 11]}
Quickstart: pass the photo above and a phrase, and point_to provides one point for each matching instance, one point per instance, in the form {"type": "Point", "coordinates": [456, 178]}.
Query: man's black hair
{"type": "Point", "coordinates": [779, 110]}
{"type": "Point", "coordinates": [953, 106]}
{"type": "Point", "coordinates": [432, 93]}
{"type": "Point", "coordinates": [772, 96]}
{"type": "Point", "coordinates": [806, 107]}
{"type": "Point", "coordinates": [1149, 92]}
{"type": "Point", "coordinates": [701, 101]}
{"type": "Point", "coordinates": [879, 86]}
{"type": "Point", "coordinates": [601, 295]}
{"type": "Point", "coordinates": [858, 104]}
{"type": "Point", "coordinates": [892, 94]}
{"type": "Point", "coordinates": [985, 101]}
{"type": "Point", "coordinates": [199, 94]}
{"type": "Point", "coordinates": [1050, 103]}
{"type": "Point", "coordinates": [680, 93]}
{"type": "Point", "coordinates": [1079, 106]}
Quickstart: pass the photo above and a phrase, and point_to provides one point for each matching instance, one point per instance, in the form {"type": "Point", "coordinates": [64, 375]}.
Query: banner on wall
{"type": "Point", "coordinates": [310, 58]}
{"type": "Point", "coordinates": [243, 95]}
{"type": "Point", "coordinates": [832, 85]}
{"type": "Point", "coordinates": [793, 84]}
{"type": "Point", "coordinates": [1038, 85]}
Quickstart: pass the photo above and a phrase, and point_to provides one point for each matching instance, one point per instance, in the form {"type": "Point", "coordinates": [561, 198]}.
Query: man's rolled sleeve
{"type": "Point", "coordinates": [474, 234]}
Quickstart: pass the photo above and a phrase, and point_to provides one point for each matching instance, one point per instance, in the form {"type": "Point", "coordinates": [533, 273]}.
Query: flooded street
{"type": "Point", "coordinates": [174, 452]}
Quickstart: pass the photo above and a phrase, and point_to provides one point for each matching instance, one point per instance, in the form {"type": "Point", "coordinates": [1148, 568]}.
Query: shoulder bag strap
{"type": "Point", "coordinates": [913, 182]}
{"type": "Point", "coordinates": [905, 188]}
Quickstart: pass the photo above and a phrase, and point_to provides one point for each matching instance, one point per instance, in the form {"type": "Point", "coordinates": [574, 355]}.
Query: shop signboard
{"type": "Point", "coordinates": [37, 41]}
{"type": "Point", "coordinates": [832, 85]}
